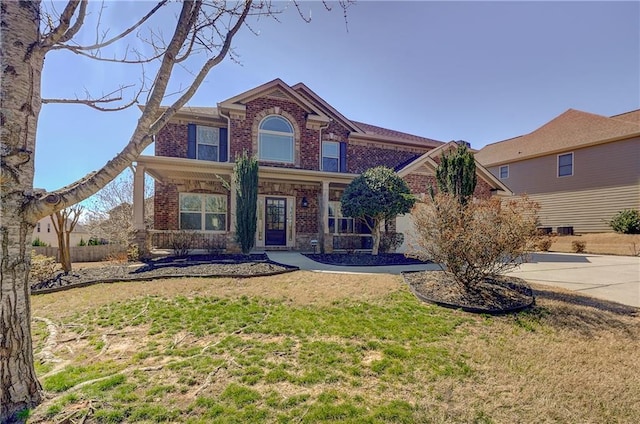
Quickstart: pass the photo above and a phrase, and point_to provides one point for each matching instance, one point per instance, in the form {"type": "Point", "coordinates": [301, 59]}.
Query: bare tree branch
{"type": "Point", "coordinates": [59, 31]}
{"type": "Point", "coordinates": [95, 103]}
{"type": "Point", "coordinates": [99, 45]}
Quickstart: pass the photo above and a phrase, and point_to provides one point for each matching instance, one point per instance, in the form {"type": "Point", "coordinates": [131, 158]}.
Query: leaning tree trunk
{"type": "Point", "coordinates": [21, 66]}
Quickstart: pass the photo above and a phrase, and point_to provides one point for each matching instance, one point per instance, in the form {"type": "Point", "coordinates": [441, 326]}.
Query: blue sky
{"type": "Point", "coordinates": [477, 71]}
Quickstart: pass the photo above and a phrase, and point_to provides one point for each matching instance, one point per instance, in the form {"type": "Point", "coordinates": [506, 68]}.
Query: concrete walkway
{"type": "Point", "coordinates": [615, 278]}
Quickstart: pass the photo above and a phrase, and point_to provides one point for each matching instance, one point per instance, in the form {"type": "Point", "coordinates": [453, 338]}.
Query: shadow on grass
{"type": "Point", "coordinates": [583, 314]}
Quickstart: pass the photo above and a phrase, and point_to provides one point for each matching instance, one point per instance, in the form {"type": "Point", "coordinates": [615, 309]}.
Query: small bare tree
{"type": "Point", "coordinates": [110, 211]}
{"type": "Point", "coordinates": [64, 222]}
{"type": "Point", "coordinates": [483, 239]}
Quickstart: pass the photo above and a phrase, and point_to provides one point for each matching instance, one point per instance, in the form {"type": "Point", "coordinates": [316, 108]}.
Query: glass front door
{"type": "Point", "coordinates": [276, 221]}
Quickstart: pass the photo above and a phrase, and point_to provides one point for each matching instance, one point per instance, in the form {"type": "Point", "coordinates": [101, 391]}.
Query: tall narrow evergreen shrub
{"type": "Point", "coordinates": [456, 174]}
{"type": "Point", "coordinates": [245, 174]}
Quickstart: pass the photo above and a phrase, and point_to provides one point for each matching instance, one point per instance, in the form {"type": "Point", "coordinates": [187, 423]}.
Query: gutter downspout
{"type": "Point", "coordinates": [228, 118]}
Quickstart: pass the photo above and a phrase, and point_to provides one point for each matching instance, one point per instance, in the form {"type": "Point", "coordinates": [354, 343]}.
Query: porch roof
{"type": "Point", "coordinates": [169, 169]}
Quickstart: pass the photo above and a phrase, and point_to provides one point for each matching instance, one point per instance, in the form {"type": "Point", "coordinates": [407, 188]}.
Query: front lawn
{"type": "Point", "coordinates": [308, 347]}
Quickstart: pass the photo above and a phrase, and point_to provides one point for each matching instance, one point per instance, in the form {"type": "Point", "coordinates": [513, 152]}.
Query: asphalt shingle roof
{"type": "Point", "coordinates": [570, 130]}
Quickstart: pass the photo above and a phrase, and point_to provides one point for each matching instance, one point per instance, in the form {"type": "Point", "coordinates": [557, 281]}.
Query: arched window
{"type": "Point", "coordinates": [275, 140]}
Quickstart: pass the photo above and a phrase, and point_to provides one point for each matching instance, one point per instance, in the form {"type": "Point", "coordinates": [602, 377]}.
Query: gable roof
{"type": "Point", "coordinates": [572, 129]}
{"type": "Point", "coordinates": [278, 88]}
{"type": "Point", "coordinates": [428, 161]}
{"type": "Point", "coordinates": [306, 91]}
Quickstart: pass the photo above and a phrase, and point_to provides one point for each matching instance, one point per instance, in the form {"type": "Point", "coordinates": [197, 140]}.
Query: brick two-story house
{"type": "Point", "coordinates": [308, 153]}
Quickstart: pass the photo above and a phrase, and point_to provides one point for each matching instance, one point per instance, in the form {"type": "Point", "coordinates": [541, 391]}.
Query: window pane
{"type": "Point", "coordinates": [190, 202]}
{"type": "Point", "coordinates": [565, 165]}
{"type": "Point", "coordinates": [330, 164]}
{"type": "Point", "coordinates": [276, 123]}
{"type": "Point", "coordinates": [215, 222]}
{"type": "Point", "coordinates": [207, 152]}
{"type": "Point", "coordinates": [215, 204]}
{"type": "Point", "coordinates": [208, 135]}
{"type": "Point", "coordinates": [332, 208]}
{"type": "Point", "coordinates": [330, 149]}
{"type": "Point", "coordinates": [504, 172]}
{"type": "Point", "coordinates": [332, 225]}
{"type": "Point", "coordinates": [564, 160]}
{"type": "Point", "coordinates": [190, 221]}
{"type": "Point", "coordinates": [276, 147]}
{"type": "Point", "coordinates": [565, 170]}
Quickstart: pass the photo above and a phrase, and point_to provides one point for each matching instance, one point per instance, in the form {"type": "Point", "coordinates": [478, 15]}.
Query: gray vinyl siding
{"type": "Point", "coordinates": [587, 211]}
{"type": "Point", "coordinates": [606, 165]}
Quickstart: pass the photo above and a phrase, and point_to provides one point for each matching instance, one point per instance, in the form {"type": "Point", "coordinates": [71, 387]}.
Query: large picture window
{"type": "Point", "coordinates": [565, 165]}
{"type": "Point", "coordinates": [203, 212]}
{"type": "Point", "coordinates": [330, 156]}
{"type": "Point", "coordinates": [276, 140]}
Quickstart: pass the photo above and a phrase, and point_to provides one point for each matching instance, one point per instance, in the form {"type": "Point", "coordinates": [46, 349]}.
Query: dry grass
{"type": "Point", "coordinates": [602, 244]}
{"type": "Point", "coordinates": [570, 359]}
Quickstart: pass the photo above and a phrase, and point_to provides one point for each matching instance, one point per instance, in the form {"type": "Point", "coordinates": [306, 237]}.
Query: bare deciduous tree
{"type": "Point", "coordinates": [109, 212]}
{"type": "Point", "coordinates": [203, 31]}
{"type": "Point", "coordinates": [64, 222]}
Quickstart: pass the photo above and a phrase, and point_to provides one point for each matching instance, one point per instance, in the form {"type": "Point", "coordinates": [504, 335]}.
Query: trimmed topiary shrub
{"type": "Point", "coordinates": [626, 222]}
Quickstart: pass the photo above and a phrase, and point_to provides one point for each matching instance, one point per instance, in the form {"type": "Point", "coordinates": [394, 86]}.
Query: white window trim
{"type": "Point", "coordinates": [292, 135]}
{"type": "Point", "coordinates": [322, 156]}
{"type": "Point", "coordinates": [202, 212]}
{"type": "Point", "coordinates": [216, 129]}
{"type": "Point", "coordinates": [573, 165]}
{"type": "Point", "coordinates": [337, 207]}
{"type": "Point", "coordinates": [500, 172]}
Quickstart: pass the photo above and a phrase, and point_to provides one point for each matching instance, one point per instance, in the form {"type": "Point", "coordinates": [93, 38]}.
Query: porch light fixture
{"type": "Point", "coordinates": [305, 202]}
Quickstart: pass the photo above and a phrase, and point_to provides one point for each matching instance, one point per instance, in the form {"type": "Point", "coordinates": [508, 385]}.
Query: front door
{"type": "Point", "coordinates": [275, 221]}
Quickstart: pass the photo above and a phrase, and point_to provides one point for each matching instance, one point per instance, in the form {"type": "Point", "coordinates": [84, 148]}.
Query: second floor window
{"type": "Point", "coordinates": [203, 212]}
{"type": "Point", "coordinates": [276, 140]}
{"type": "Point", "coordinates": [565, 165]}
{"type": "Point", "coordinates": [330, 156]}
{"type": "Point", "coordinates": [504, 172]}
{"type": "Point", "coordinates": [208, 143]}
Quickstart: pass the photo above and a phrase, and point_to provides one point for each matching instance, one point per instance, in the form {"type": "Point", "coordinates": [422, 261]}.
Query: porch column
{"type": "Point", "coordinates": [324, 207]}
{"type": "Point", "coordinates": [326, 239]}
{"type": "Point", "coordinates": [138, 198]}
{"type": "Point", "coordinates": [138, 212]}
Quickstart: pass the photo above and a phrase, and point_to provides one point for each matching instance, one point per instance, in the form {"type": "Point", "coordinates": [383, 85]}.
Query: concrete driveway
{"type": "Point", "coordinates": [615, 278]}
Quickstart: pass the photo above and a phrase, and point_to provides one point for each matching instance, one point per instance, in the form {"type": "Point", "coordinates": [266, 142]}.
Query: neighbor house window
{"type": "Point", "coordinates": [330, 156]}
{"type": "Point", "coordinates": [48, 228]}
{"type": "Point", "coordinates": [275, 140]}
{"type": "Point", "coordinates": [207, 143]}
{"type": "Point", "coordinates": [38, 227]}
{"type": "Point", "coordinates": [565, 165]}
{"type": "Point", "coordinates": [203, 212]}
{"type": "Point", "coordinates": [504, 172]}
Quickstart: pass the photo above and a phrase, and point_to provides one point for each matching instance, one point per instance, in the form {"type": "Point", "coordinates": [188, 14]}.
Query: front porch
{"type": "Point", "coordinates": [296, 208]}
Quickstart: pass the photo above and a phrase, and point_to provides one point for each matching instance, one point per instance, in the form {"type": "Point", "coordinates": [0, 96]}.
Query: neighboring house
{"type": "Point", "coordinates": [46, 232]}
{"type": "Point", "coordinates": [308, 153]}
{"type": "Point", "coordinates": [580, 167]}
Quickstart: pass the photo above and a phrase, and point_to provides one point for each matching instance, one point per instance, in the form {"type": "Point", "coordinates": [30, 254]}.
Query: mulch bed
{"type": "Point", "coordinates": [493, 296]}
{"type": "Point", "coordinates": [363, 259]}
{"type": "Point", "coordinates": [239, 266]}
